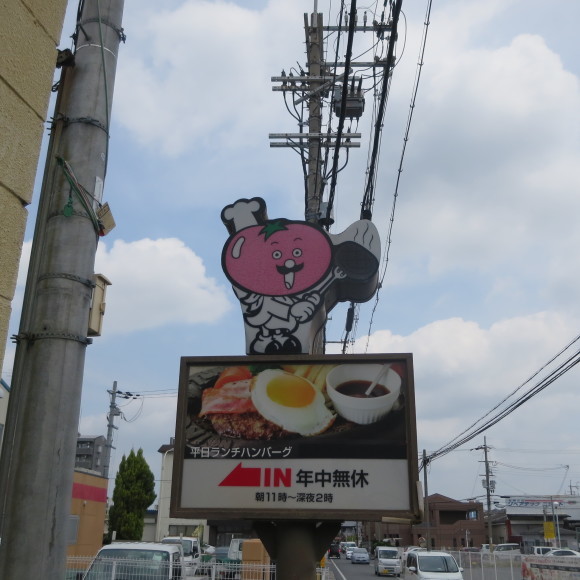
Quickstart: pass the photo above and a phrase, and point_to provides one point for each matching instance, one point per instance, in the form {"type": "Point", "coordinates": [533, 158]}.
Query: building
{"type": "Point", "coordinates": [87, 519]}
{"type": "Point", "coordinates": [29, 35]}
{"type": "Point", "coordinates": [166, 525]}
{"type": "Point", "coordinates": [452, 525]}
{"type": "Point", "coordinates": [523, 519]}
{"type": "Point", "coordinates": [90, 453]}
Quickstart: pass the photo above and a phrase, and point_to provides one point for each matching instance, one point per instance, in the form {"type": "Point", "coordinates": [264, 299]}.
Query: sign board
{"type": "Point", "coordinates": [290, 437]}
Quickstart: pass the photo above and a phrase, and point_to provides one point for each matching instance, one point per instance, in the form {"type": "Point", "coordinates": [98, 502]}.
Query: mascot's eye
{"type": "Point", "coordinates": [277, 254]}
{"type": "Point", "coordinates": [296, 252]}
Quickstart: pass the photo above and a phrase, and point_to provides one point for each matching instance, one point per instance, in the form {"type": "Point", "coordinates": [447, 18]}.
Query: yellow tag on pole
{"type": "Point", "coordinates": [549, 531]}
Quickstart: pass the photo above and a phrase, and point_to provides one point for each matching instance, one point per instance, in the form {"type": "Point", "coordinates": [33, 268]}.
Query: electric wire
{"type": "Point", "coordinates": [511, 394]}
{"type": "Point", "coordinates": [412, 105]}
{"type": "Point", "coordinates": [479, 426]}
{"type": "Point", "coordinates": [368, 197]}
{"type": "Point", "coordinates": [351, 29]}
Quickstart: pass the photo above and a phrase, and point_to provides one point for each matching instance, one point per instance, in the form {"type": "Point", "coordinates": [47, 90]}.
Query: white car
{"type": "Point", "coordinates": [425, 565]}
{"type": "Point", "coordinates": [387, 561]}
{"type": "Point", "coordinates": [562, 552]}
{"type": "Point", "coordinates": [360, 556]}
{"type": "Point", "coordinates": [190, 552]}
{"type": "Point", "coordinates": [507, 550]}
{"type": "Point", "coordinates": [137, 560]}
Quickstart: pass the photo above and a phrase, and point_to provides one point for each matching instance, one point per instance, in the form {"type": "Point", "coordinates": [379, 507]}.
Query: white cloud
{"type": "Point", "coordinates": [198, 76]}
{"type": "Point", "coordinates": [457, 360]}
{"type": "Point", "coordinates": [155, 283]}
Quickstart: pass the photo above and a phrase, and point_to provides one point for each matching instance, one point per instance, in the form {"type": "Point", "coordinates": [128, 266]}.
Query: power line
{"type": "Point", "coordinates": [412, 105]}
{"type": "Point", "coordinates": [480, 426]}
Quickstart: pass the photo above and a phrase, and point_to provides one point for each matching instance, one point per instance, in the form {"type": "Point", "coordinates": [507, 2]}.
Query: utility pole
{"type": "Point", "coordinates": [426, 500]}
{"type": "Point", "coordinates": [314, 38]}
{"type": "Point", "coordinates": [489, 484]}
{"type": "Point", "coordinates": [37, 464]}
{"type": "Point", "coordinates": [113, 412]}
{"type": "Point", "coordinates": [295, 545]}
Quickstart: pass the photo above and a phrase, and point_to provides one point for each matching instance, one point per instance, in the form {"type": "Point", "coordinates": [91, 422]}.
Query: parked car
{"type": "Point", "coordinates": [540, 550]}
{"type": "Point", "coordinates": [190, 546]}
{"type": "Point", "coordinates": [137, 560]}
{"type": "Point", "coordinates": [360, 556]}
{"type": "Point", "coordinates": [387, 561]}
{"type": "Point", "coordinates": [507, 550]}
{"type": "Point", "coordinates": [345, 545]}
{"type": "Point", "coordinates": [334, 551]}
{"type": "Point", "coordinates": [409, 549]}
{"type": "Point", "coordinates": [424, 565]}
{"type": "Point", "coordinates": [562, 552]}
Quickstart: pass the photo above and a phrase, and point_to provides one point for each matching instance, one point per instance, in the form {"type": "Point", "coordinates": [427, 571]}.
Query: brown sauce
{"type": "Point", "coordinates": [358, 389]}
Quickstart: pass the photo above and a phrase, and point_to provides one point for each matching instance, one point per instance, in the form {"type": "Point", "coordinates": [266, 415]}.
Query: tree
{"type": "Point", "coordinates": [133, 494]}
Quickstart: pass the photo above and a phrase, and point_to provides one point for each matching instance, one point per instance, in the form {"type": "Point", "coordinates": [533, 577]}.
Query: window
{"type": "Point", "coordinates": [428, 563]}
{"type": "Point", "coordinates": [72, 531]}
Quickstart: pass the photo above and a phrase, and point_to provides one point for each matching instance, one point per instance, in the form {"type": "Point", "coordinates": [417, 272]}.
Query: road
{"type": "Point", "coordinates": [344, 570]}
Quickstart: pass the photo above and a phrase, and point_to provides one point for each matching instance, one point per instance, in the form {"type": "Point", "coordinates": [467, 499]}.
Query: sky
{"type": "Point", "coordinates": [482, 277]}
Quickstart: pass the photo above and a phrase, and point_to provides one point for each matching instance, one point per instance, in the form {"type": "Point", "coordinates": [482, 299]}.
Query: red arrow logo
{"type": "Point", "coordinates": [242, 477]}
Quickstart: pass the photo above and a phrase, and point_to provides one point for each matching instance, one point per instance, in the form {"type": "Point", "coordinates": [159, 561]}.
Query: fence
{"type": "Point", "coordinates": [486, 566]}
{"type": "Point", "coordinates": [139, 570]}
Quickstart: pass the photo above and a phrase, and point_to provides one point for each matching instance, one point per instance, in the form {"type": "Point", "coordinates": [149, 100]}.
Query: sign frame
{"type": "Point", "coordinates": [406, 462]}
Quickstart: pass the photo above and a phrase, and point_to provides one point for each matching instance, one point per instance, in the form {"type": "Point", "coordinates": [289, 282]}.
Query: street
{"type": "Point", "coordinates": [472, 569]}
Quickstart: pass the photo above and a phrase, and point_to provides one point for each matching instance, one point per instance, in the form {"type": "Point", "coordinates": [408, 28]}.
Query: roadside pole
{"type": "Point", "coordinates": [426, 507]}
{"type": "Point", "coordinates": [37, 464]}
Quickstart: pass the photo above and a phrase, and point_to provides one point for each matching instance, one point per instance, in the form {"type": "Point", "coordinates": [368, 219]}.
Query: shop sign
{"type": "Point", "coordinates": [296, 437]}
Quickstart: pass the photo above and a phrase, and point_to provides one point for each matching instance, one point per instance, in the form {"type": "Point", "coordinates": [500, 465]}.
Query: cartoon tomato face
{"type": "Point", "coordinates": [278, 258]}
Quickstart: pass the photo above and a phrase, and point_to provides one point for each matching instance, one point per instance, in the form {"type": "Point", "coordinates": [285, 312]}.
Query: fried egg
{"type": "Point", "coordinates": [291, 402]}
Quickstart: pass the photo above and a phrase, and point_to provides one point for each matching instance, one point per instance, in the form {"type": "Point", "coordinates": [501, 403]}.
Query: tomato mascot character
{"type": "Point", "coordinates": [280, 271]}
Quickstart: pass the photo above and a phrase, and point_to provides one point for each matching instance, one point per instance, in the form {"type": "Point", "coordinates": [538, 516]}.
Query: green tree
{"type": "Point", "coordinates": [133, 494]}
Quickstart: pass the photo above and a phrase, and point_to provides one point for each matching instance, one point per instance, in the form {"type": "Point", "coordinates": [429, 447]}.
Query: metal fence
{"type": "Point", "coordinates": [140, 570]}
{"type": "Point", "coordinates": [486, 566]}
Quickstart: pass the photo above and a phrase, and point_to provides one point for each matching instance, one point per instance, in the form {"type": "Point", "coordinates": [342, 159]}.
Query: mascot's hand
{"type": "Point", "coordinates": [305, 309]}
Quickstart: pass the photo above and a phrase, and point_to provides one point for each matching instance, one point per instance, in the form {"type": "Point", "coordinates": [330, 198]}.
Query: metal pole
{"type": "Point", "coordinates": [37, 463]}
{"type": "Point", "coordinates": [555, 506]}
{"type": "Point", "coordinates": [426, 500]}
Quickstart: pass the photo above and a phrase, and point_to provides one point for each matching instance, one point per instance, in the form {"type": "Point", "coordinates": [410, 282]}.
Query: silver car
{"type": "Point", "coordinates": [360, 556]}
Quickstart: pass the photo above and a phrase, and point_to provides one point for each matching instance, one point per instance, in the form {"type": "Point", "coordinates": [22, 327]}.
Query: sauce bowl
{"type": "Point", "coordinates": [363, 410]}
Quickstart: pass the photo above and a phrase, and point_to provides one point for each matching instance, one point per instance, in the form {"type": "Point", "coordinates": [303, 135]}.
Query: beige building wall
{"type": "Point", "coordinates": [29, 35]}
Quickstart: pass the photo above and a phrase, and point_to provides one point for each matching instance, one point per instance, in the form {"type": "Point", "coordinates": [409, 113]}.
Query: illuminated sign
{"type": "Point", "coordinates": [288, 274]}
{"type": "Point", "coordinates": [296, 437]}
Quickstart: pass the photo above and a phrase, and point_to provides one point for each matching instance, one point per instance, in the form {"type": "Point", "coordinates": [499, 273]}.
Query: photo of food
{"type": "Point", "coordinates": [302, 407]}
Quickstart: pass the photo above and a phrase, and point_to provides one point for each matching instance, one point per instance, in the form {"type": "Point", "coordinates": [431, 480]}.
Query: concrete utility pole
{"type": "Point", "coordinates": [314, 39]}
{"type": "Point", "coordinates": [488, 486]}
{"type": "Point", "coordinates": [113, 412]}
{"type": "Point", "coordinates": [37, 464]}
